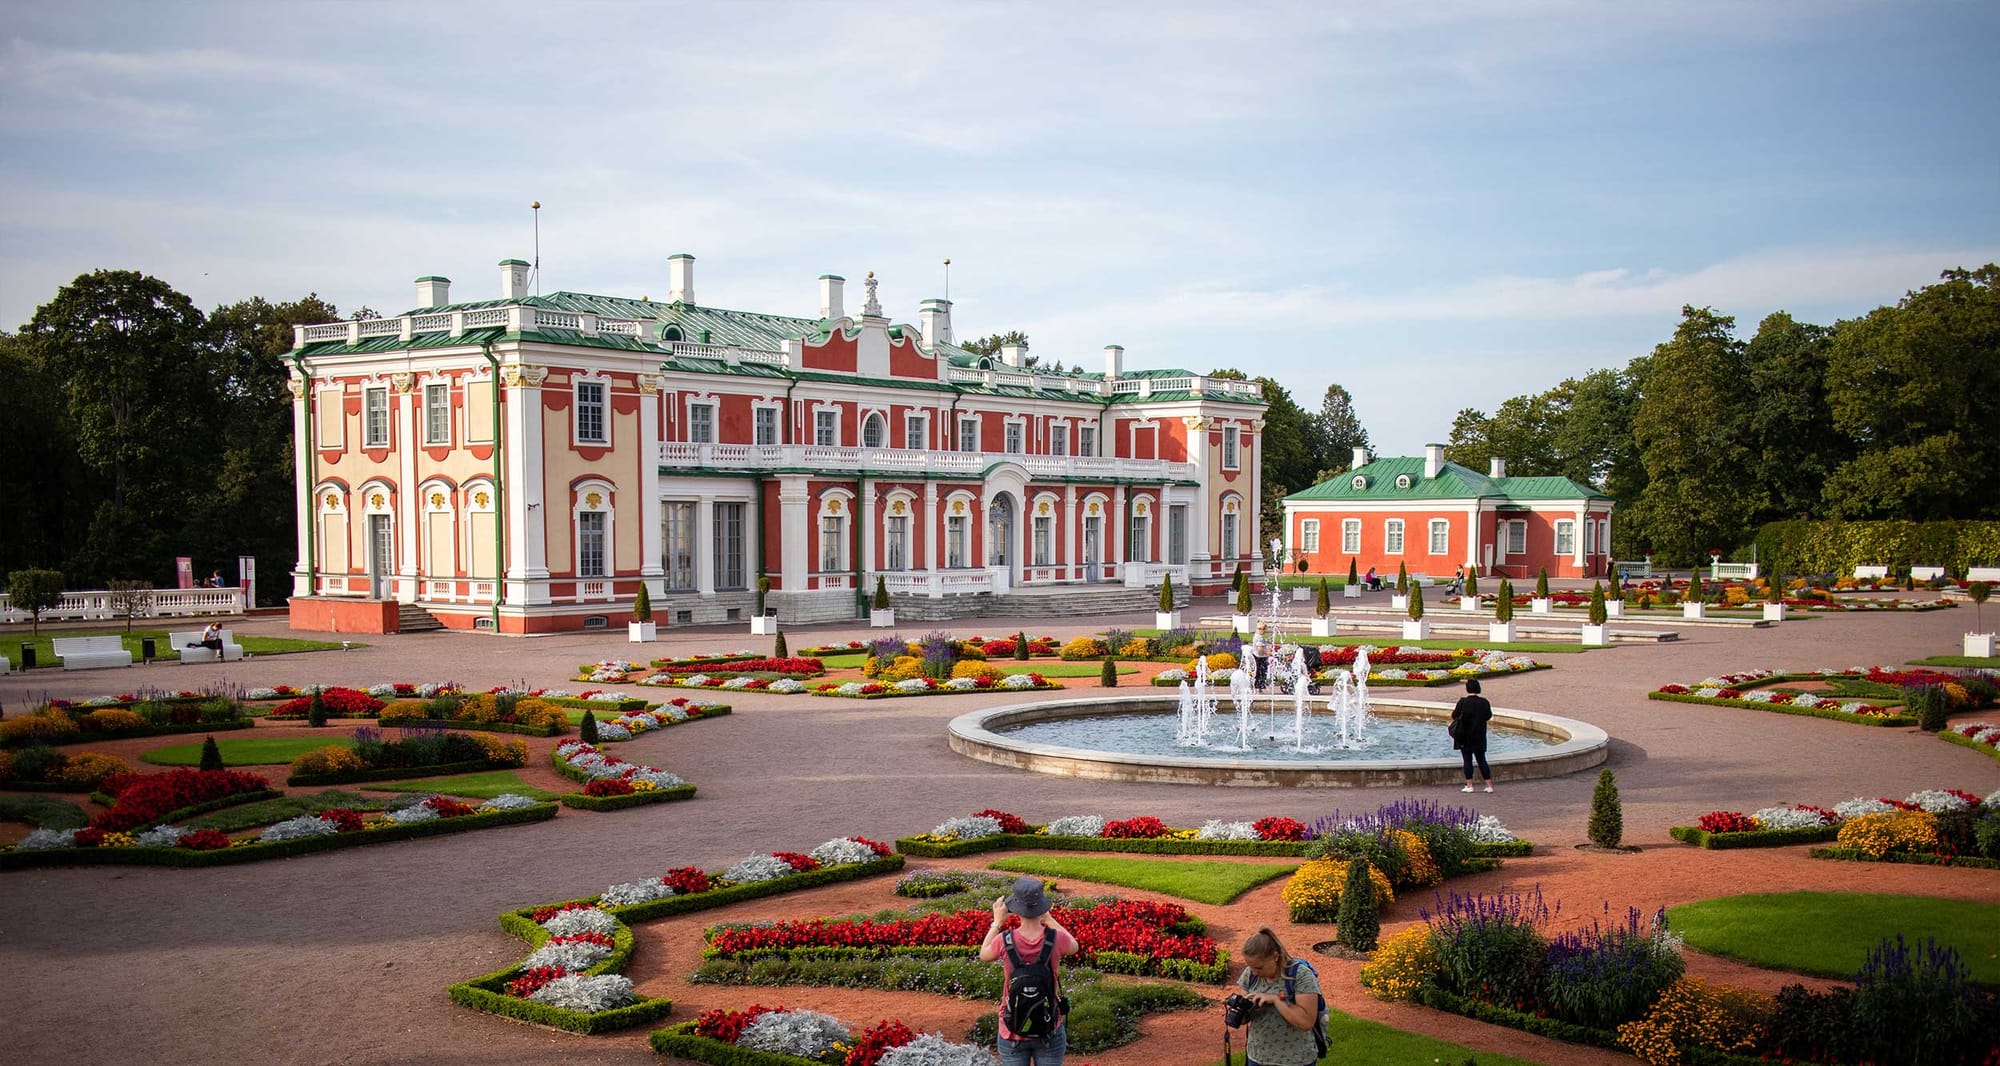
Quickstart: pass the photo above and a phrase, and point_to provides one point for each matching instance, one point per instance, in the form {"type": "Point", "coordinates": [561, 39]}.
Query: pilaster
{"type": "Point", "coordinates": [650, 547]}
{"type": "Point", "coordinates": [409, 501]}
{"type": "Point", "coordinates": [302, 495]}
{"type": "Point", "coordinates": [527, 532]}
{"type": "Point", "coordinates": [795, 530]}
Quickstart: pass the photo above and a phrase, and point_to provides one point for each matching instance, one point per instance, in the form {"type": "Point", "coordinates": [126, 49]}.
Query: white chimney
{"type": "Point", "coordinates": [1014, 354]}
{"type": "Point", "coordinates": [935, 319]}
{"type": "Point", "coordinates": [1360, 458]}
{"type": "Point", "coordinates": [1114, 361]}
{"type": "Point", "coordinates": [680, 278]}
{"type": "Point", "coordinates": [513, 279]}
{"type": "Point", "coordinates": [1433, 460]}
{"type": "Point", "coordinates": [433, 291]}
{"type": "Point", "coordinates": [1496, 467]}
{"type": "Point", "coordinates": [830, 302]}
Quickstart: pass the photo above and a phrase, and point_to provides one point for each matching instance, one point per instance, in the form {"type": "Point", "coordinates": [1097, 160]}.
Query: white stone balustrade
{"type": "Point", "coordinates": [967, 464]}
{"type": "Point", "coordinates": [95, 605]}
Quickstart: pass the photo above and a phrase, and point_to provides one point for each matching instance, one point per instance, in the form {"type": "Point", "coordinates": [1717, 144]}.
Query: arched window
{"type": "Point", "coordinates": [874, 432]}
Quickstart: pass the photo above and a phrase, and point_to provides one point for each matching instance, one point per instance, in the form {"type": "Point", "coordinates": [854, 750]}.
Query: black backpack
{"type": "Point", "coordinates": [1032, 1007]}
{"type": "Point", "coordinates": [1291, 994]}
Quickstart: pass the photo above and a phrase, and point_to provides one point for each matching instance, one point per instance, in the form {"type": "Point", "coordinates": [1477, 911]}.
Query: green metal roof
{"type": "Point", "coordinates": [1453, 482]}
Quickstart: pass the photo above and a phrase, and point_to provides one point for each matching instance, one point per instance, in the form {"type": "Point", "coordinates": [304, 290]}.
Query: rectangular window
{"type": "Point", "coordinates": [1392, 536]}
{"type": "Point", "coordinates": [1231, 437]}
{"type": "Point", "coordinates": [1309, 535]}
{"type": "Point", "coordinates": [826, 428]}
{"type": "Point", "coordinates": [1139, 543]}
{"type": "Point", "coordinates": [590, 544]}
{"type": "Point", "coordinates": [590, 426]}
{"type": "Point", "coordinates": [1045, 540]}
{"type": "Point", "coordinates": [766, 425]}
{"type": "Point", "coordinates": [375, 418]}
{"type": "Point", "coordinates": [831, 540]}
{"type": "Point", "coordinates": [1350, 536]}
{"type": "Point", "coordinates": [437, 414]}
{"type": "Point", "coordinates": [1059, 439]}
{"type": "Point", "coordinates": [1517, 537]}
{"type": "Point", "coordinates": [916, 432]}
{"type": "Point", "coordinates": [479, 411]}
{"type": "Point", "coordinates": [1440, 537]}
{"type": "Point", "coordinates": [899, 542]}
{"type": "Point", "coordinates": [1014, 438]}
{"type": "Point", "coordinates": [1177, 520]}
{"type": "Point", "coordinates": [968, 434]}
{"type": "Point", "coordinates": [1228, 545]}
{"type": "Point", "coordinates": [1565, 538]}
{"type": "Point", "coordinates": [729, 546]}
{"type": "Point", "coordinates": [1086, 440]}
{"type": "Point", "coordinates": [701, 423]}
{"type": "Point", "coordinates": [954, 541]}
{"type": "Point", "coordinates": [677, 544]}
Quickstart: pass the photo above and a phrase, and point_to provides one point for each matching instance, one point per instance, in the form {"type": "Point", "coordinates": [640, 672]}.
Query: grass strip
{"type": "Point", "coordinates": [1963, 741]}
{"type": "Point", "coordinates": [1829, 934]}
{"type": "Point", "coordinates": [929, 849]}
{"type": "Point", "coordinates": [70, 740]}
{"type": "Point", "coordinates": [387, 773]}
{"type": "Point", "coordinates": [1355, 1041]}
{"type": "Point", "coordinates": [42, 812]}
{"type": "Point", "coordinates": [473, 786]}
{"type": "Point", "coordinates": [1202, 882]}
{"type": "Point", "coordinates": [245, 751]}
{"type": "Point", "coordinates": [265, 812]}
{"type": "Point", "coordinates": [162, 647]}
{"type": "Point", "coordinates": [1907, 858]}
{"type": "Point", "coordinates": [1976, 661]}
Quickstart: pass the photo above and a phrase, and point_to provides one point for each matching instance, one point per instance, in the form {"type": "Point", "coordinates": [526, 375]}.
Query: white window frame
{"type": "Point", "coordinates": [1086, 441]}
{"type": "Point", "coordinates": [957, 541]}
{"type": "Point", "coordinates": [1350, 536]}
{"type": "Point", "coordinates": [700, 430]}
{"type": "Point", "coordinates": [967, 442]}
{"type": "Point", "coordinates": [832, 526]}
{"type": "Point", "coordinates": [1392, 537]}
{"type": "Point", "coordinates": [1230, 534]}
{"type": "Point", "coordinates": [1308, 535]}
{"type": "Point", "coordinates": [1059, 438]}
{"type": "Point", "coordinates": [433, 409]}
{"type": "Point", "coordinates": [766, 416]}
{"type": "Point", "coordinates": [836, 521]}
{"type": "Point", "coordinates": [917, 431]}
{"type": "Point", "coordinates": [896, 542]}
{"type": "Point", "coordinates": [1232, 447]}
{"type": "Point", "coordinates": [723, 554]}
{"type": "Point", "coordinates": [602, 405]}
{"type": "Point", "coordinates": [881, 423]}
{"type": "Point", "coordinates": [374, 403]}
{"type": "Point", "coordinates": [1014, 438]}
{"type": "Point", "coordinates": [1565, 536]}
{"type": "Point", "coordinates": [676, 578]}
{"type": "Point", "coordinates": [826, 427]}
{"type": "Point", "coordinates": [1517, 537]}
{"type": "Point", "coordinates": [1044, 547]}
{"type": "Point", "coordinates": [1440, 536]}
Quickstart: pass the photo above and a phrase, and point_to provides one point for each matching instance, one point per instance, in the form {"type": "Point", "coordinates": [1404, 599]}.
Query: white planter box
{"type": "Point", "coordinates": [1468, 603]}
{"type": "Point", "coordinates": [1302, 594]}
{"type": "Point", "coordinates": [763, 625]}
{"type": "Point", "coordinates": [1596, 636]}
{"type": "Point", "coordinates": [1536, 606]}
{"type": "Point", "coordinates": [1324, 627]}
{"type": "Point", "coordinates": [1240, 623]}
{"type": "Point", "coordinates": [1500, 632]}
{"type": "Point", "coordinates": [642, 632]}
{"type": "Point", "coordinates": [1979, 644]}
{"type": "Point", "coordinates": [1614, 608]}
{"type": "Point", "coordinates": [882, 619]}
{"type": "Point", "coordinates": [1398, 601]}
{"type": "Point", "coordinates": [1351, 592]}
{"type": "Point", "coordinates": [1165, 620]}
{"type": "Point", "coordinates": [1694, 611]}
{"type": "Point", "coordinates": [1417, 629]}
{"type": "Point", "coordinates": [1774, 612]}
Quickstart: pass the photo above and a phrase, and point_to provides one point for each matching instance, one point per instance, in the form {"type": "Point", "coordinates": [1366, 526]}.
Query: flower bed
{"type": "Point", "coordinates": [420, 752]}
{"type": "Point", "coordinates": [1285, 837]}
{"type": "Point", "coordinates": [674, 712]}
{"type": "Point", "coordinates": [593, 700]}
{"type": "Point", "coordinates": [852, 647]}
{"type": "Point", "coordinates": [1807, 824]}
{"type": "Point", "coordinates": [59, 723]}
{"type": "Point", "coordinates": [340, 702]}
{"type": "Point", "coordinates": [608, 672]}
{"type": "Point", "coordinates": [208, 847]}
{"type": "Point", "coordinates": [1750, 689]}
{"type": "Point", "coordinates": [930, 686]}
{"type": "Point", "coordinates": [679, 891]}
{"type": "Point", "coordinates": [730, 682]}
{"type": "Point", "coordinates": [502, 710]}
{"type": "Point", "coordinates": [792, 666]}
{"type": "Point", "coordinates": [776, 1036]}
{"type": "Point", "coordinates": [701, 660]}
{"type": "Point", "coordinates": [1982, 737]}
{"type": "Point", "coordinates": [636, 785]}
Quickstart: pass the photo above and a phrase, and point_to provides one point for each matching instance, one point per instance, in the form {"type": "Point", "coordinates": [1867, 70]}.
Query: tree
{"type": "Point", "coordinates": [993, 342]}
{"type": "Point", "coordinates": [48, 495]}
{"type": "Point", "coordinates": [1503, 605]}
{"type": "Point", "coordinates": [1690, 428]}
{"type": "Point", "coordinates": [642, 605]}
{"type": "Point", "coordinates": [1167, 593]}
{"type": "Point", "coordinates": [1794, 444]}
{"type": "Point", "coordinates": [1321, 603]}
{"type": "Point", "coordinates": [1607, 815]}
{"type": "Point", "coordinates": [1402, 579]}
{"type": "Point", "coordinates": [1416, 603]}
{"type": "Point", "coordinates": [1598, 612]}
{"type": "Point", "coordinates": [881, 601]}
{"type": "Point", "coordinates": [1353, 573]}
{"type": "Point", "coordinates": [779, 649]}
{"type": "Point", "coordinates": [1471, 582]}
{"type": "Point", "coordinates": [1243, 598]}
{"type": "Point", "coordinates": [1542, 584]}
{"type": "Point", "coordinates": [211, 755]}
{"type": "Point", "coordinates": [35, 591]}
{"type": "Point", "coordinates": [1288, 460]}
{"type": "Point", "coordinates": [1108, 677]}
{"type": "Point", "coordinates": [588, 729]}
{"type": "Point", "coordinates": [129, 599]}
{"type": "Point", "coordinates": [1358, 922]}
{"type": "Point", "coordinates": [1336, 432]}
{"type": "Point", "coordinates": [1021, 646]}
{"type": "Point", "coordinates": [316, 708]}
{"type": "Point", "coordinates": [1978, 592]}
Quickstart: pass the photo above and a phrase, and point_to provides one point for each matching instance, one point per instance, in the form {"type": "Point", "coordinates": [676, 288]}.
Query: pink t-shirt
{"type": "Point", "coordinates": [1029, 950]}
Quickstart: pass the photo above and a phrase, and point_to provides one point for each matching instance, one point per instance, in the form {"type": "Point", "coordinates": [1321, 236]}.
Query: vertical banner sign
{"type": "Point", "coordinates": [246, 576]}
{"type": "Point", "coordinates": [184, 570]}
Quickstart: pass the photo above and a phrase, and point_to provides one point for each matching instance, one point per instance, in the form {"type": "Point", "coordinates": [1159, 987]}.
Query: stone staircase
{"type": "Point", "coordinates": [1064, 602]}
{"type": "Point", "coordinates": [411, 618]}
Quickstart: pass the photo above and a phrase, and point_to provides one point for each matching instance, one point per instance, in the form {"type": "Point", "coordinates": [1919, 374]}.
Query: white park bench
{"type": "Point", "coordinates": [1983, 573]}
{"type": "Point", "coordinates": [231, 651]}
{"type": "Point", "coordinates": [1926, 573]}
{"type": "Point", "coordinates": [85, 653]}
{"type": "Point", "coordinates": [1870, 571]}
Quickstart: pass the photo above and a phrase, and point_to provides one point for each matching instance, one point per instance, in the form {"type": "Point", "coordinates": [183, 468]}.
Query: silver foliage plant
{"type": "Point", "coordinates": [842, 852]}
{"type": "Point", "coordinates": [1488, 830]}
{"type": "Point", "coordinates": [1077, 825]}
{"type": "Point", "coordinates": [1217, 829]}
{"type": "Point", "coordinates": [571, 955]}
{"type": "Point", "coordinates": [759, 868]}
{"type": "Point", "coordinates": [805, 1033]}
{"type": "Point", "coordinates": [49, 838]}
{"type": "Point", "coordinates": [581, 920]}
{"type": "Point", "coordinates": [930, 1049]}
{"type": "Point", "coordinates": [305, 825]}
{"type": "Point", "coordinates": [161, 836]}
{"type": "Point", "coordinates": [630, 892]}
{"type": "Point", "coordinates": [413, 814]}
{"type": "Point", "coordinates": [598, 992]}
{"type": "Point", "coordinates": [508, 801]}
{"type": "Point", "coordinates": [968, 828]}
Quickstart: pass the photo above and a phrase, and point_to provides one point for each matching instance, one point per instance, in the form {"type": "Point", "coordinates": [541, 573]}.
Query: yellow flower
{"type": "Point", "coordinates": [1401, 964]}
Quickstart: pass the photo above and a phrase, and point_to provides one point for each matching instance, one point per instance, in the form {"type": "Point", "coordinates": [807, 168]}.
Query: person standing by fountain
{"type": "Point", "coordinates": [1259, 651]}
{"type": "Point", "coordinates": [1468, 732]}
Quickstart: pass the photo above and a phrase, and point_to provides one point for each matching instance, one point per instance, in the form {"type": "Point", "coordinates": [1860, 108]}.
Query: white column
{"type": "Point", "coordinates": [527, 517]}
{"type": "Point", "coordinates": [1251, 445]}
{"type": "Point", "coordinates": [1072, 534]}
{"type": "Point", "coordinates": [865, 514]}
{"type": "Point", "coordinates": [1118, 531]}
{"type": "Point", "coordinates": [650, 548]}
{"type": "Point", "coordinates": [1582, 516]}
{"type": "Point", "coordinates": [1202, 510]}
{"type": "Point", "coordinates": [1472, 536]}
{"type": "Point", "coordinates": [1157, 528]}
{"type": "Point", "coordinates": [933, 539]}
{"type": "Point", "coordinates": [1604, 530]}
{"type": "Point", "coordinates": [704, 545]}
{"type": "Point", "coordinates": [409, 499]}
{"type": "Point", "coordinates": [795, 530]}
{"type": "Point", "coordinates": [302, 496]}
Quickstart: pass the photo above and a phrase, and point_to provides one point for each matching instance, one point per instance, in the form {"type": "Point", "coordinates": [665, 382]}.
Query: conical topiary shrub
{"type": "Point", "coordinates": [1694, 586]}
{"type": "Point", "coordinates": [1503, 606]}
{"type": "Point", "coordinates": [1321, 604]}
{"type": "Point", "coordinates": [763, 592]}
{"type": "Point", "coordinates": [1353, 574]}
{"type": "Point", "coordinates": [1402, 579]}
{"type": "Point", "coordinates": [1021, 645]}
{"type": "Point", "coordinates": [1978, 592]}
{"type": "Point", "coordinates": [1360, 917]}
{"type": "Point", "coordinates": [588, 731]}
{"type": "Point", "coordinates": [211, 756]}
{"type": "Point", "coordinates": [1542, 584]}
{"type": "Point", "coordinates": [1416, 603]}
{"type": "Point", "coordinates": [316, 710]}
{"type": "Point", "coordinates": [1243, 598]}
{"type": "Point", "coordinates": [1597, 611]}
{"type": "Point", "coordinates": [779, 650]}
{"type": "Point", "coordinates": [1167, 594]}
{"type": "Point", "coordinates": [1774, 589]}
{"type": "Point", "coordinates": [881, 593]}
{"type": "Point", "coordinates": [642, 606]}
{"type": "Point", "coordinates": [1109, 677]}
{"type": "Point", "coordinates": [1607, 815]}
{"type": "Point", "coordinates": [1472, 582]}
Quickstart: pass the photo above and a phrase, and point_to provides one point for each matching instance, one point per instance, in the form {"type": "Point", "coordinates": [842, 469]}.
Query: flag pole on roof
{"type": "Point", "coordinates": [536, 207]}
{"type": "Point", "coordinates": [947, 280]}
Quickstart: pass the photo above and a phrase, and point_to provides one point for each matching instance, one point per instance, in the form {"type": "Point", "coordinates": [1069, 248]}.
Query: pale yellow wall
{"type": "Point", "coordinates": [619, 466]}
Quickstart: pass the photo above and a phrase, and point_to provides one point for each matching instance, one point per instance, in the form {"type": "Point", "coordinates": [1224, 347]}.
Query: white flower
{"type": "Point", "coordinates": [581, 920]}
{"type": "Point", "coordinates": [1992, 800]}
{"type": "Point", "coordinates": [786, 685]}
{"type": "Point", "coordinates": [410, 815]}
{"type": "Point", "coordinates": [961, 684]}
{"type": "Point", "coordinates": [1488, 830]}
{"type": "Point", "coordinates": [1936, 801]}
{"type": "Point", "coordinates": [1708, 692]}
{"type": "Point", "coordinates": [1173, 673]}
{"type": "Point", "coordinates": [968, 828]}
{"type": "Point", "coordinates": [555, 693]}
{"type": "Point", "coordinates": [845, 851]}
{"type": "Point", "coordinates": [738, 682]}
{"type": "Point", "coordinates": [694, 681]}
{"type": "Point", "coordinates": [759, 868]}
{"type": "Point", "coordinates": [852, 688]}
{"type": "Point", "coordinates": [1217, 829]}
{"type": "Point", "coordinates": [161, 836]}
{"type": "Point", "coordinates": [508, 801]}
{"type": "Point", "coordinates": [804, 1033]}
{"type": "Point", "coordinates": [599, 992]}
{"type": "Point", "coordinates": [661, 778]}
{"type": "Point", "coordinates": [630, 892]}
{"type": "Point", "coordinates": [381, 691]}
{"type": "Point", "coordinates": [100, 701]}
{"type": "Point", "coordinates": [572, 955]}
{"type": "Point", "coordinates": [1017, 681]}
{"type": "Point", "coordinates": [305, 825]}
{"type": "Point", "coordinates": [613, 731]}
{"type": "Point", "coordinates": [261, 694]}
{"type": "Point", "coordinates": [49, 838]}
{"type": "Point", "coordinates": [1859, 806]}
{"type": "Point", "coordinates": [1806, 699]}
{"type": "Point", "coordinates": [912, 684]}
{"type": "Point", "coordinates": [1077, 825]}
{"type": "Point", "coordinates": [1854, 707]}
{"type": "Point", "coordinates": [930, 1049]}
{"type": "Point", "coordinates": [1788, 818]}
{"type": "Point", "coordinates": [1762, 695]}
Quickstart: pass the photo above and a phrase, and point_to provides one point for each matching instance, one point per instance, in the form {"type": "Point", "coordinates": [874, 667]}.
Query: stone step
{"type": "Point", "coordinates": [411, 618]}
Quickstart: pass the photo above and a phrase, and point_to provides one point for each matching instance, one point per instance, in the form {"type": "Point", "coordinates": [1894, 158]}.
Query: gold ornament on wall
{"type": "Point", "coordinates": [437, 499]}
{"type": "Point", "coordinates": [593, 499]}
{"type": "Point", "coordinates": [958, 507]}
{"type": "Point", "coordinates": [833, 506]}
{"type": "Point", "coordinates": [898, 507]}
{"type": "Point", "coordinates": [332, 501]}
{"type": "Point", "coordinates": [480, 498]}
{"type": "Point", "coordinates": [375, 501]}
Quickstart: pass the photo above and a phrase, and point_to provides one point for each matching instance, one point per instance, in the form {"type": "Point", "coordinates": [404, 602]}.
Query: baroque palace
{"type": "Point", "coordinates": [523, 464]}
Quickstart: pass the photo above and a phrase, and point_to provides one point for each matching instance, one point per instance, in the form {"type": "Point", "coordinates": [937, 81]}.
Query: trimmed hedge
{"type": "Point", "coordinates": [489, 993]}
{"type": "Point", "coordinates": [625, 703]}
{"type": "Point", "coordinates": [1834, 547]}
{"type": "Point", "coordinates": [582, 778]}
{"type": "Point", "coordinates": [1911, 858]}
{"type": "Point", "coordinates": [391, 773]}
{"type": "Point", "coordinates": [1151, 846]}
{"type": "Point", "coordinates": [132, 734]}
{"type": "Point", "coordinates": [1947, 736]}
{"type": "Point", "coordinates": [680, 1041]}
{"type": "Point", "coordinates": [1808, 712]}
{"type": "Point", "coordinates": [1567, 1032]}
{"type": "Point", "coordinates": [48, 786]}
{"type": "Point", "coordinates": [283, 849]}
{"type": "Point", "coordinates": [481, 727]}
{"type": "Point", "coordinates": [1755, 838]}
{"type": "Point", "coordinates": [672, 905]}
{"type": "Point", "coordinates": [581, 802]}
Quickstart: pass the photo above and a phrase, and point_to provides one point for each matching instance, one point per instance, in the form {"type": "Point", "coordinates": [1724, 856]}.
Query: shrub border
{"type": "Point", "coordinates": [187, 857]}
{"type": "Point", "coordinates": [681, 1040]}
{"type": "Point", "coordinates": [1567, 1032]}
{"type": "Point", "coordinates": [893, 694]}
{"type": "Point", "coordinates": [1753, 838]}
{"type": "Point", "coordinates": [81, 737]}
{"type": "Point", "coordinates": [581, 802]}
{"type": "Point", "coordinates": [1805, 712]}
{"type": "Point", "coordinates": [1912, 858]}
{"type": "Point", "coordinates": [1152, 846]}
{"type": "Point", "coordinates": [476, 727]}
{"type": "Point", "coordinates": [1950, 737]}
{"type": "Point", "coordinates": [391, 773]}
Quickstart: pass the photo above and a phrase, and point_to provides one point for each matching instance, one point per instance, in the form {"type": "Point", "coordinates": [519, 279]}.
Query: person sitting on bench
{"type": "Point", "coordinates": [211, 638]}
{"type": "Point", "coordinates": [1370, 581]}
{"type": "Point", "coordinates": [1457, 583]}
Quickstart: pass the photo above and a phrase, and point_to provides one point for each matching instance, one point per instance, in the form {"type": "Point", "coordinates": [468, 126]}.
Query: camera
{"type": "Point", "coordinates": [1237, 1009]}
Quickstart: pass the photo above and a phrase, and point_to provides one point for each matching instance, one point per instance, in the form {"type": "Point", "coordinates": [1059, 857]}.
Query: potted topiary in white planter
{"type": "Point", "coordinates": [1614, 602]}
{"type": "Point", "coordinates": [1774, 599]}
{"type": "Point", "coordinates": [1691, 606]}
{"type": "Point", "coordinates": [1468, 597]}
{"type": "Point", "coordinates": [765, 621]}
{"type": "Point", "coordinates": [1323, 623]}
{"type": "Point", "coordinates": [1400, 599]}
{"type": "Point", "coordinates": [1540, 602]}
{"type": "Point", "coordinates": [1416, 628]}
{"type": "Point", "coordinates": [1979, 644]}
{"type": "Point", "coordinates": [1501, 629]}
{"type": "Point", "coordinates": [881, 616]}
{"type": "Point", "coordinates": [1166, 617]}
{"type": "Point", "coordinates": [1240, 621]}
{"type": "Point", "coordinates": [1595, 633]}
{"type": "Point", "coordinates": [641, 630]}
{"type": "Point", "coordinates": [1351, 590]}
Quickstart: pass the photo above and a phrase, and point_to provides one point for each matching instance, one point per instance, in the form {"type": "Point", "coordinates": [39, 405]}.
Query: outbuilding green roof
{"type": "Point", "coordinates": [1453, 482]}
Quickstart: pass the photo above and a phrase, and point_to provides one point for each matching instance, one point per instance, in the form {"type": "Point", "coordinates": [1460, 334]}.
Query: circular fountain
{"type": "Point", "coordinates": [1219, 731]}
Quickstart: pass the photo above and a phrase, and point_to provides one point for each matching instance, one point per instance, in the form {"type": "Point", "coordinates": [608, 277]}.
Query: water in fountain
{"type": "Point", "coordinates": [1301, 690]}
{"type": "Point", "coordinates": [1245, 697]}
{"type": "Point", "coordinates": [1197, 708]}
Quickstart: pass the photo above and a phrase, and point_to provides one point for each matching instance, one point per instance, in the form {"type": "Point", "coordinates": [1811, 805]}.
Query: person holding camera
{"type": "Point", "coordinates": [1032, 1009]}
{"type": "Point", "coordinates": [1279, 1004]}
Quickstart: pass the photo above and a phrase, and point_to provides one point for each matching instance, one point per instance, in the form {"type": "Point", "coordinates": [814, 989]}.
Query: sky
{"type": "Point", "coordinates": [1436, 205]}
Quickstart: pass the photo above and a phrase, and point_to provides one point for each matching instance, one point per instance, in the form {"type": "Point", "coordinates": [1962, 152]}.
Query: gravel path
{"type": "Point", "coordinates": [344, 957]}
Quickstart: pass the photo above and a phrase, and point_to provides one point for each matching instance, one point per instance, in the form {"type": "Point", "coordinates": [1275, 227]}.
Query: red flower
{"type": "Point", "coordinates": [340, 703]}
{"type": "Point", "coordinates": [532, 980]}
{"type": "Point", "coordinates": [875, 846]}
{"type": "Point", "coordinates": [727, 1025]}
{"type": "Point", "coordinates": [877, 1040]}
{"type": "Point", "coordinates": [343, 819]}
{"type": "Point", "coordinates": [686, 880]}
{"type": "Point", "coordinates": [88, 838]}
{"type": "Point", "coordinates": [543, 914]}
{"type": "Point", "coordinates": [1142, 827]}
{"type": "Point", "coordinates": [144, 798]}
{"type": "Point", "coordinates": [205, 840]}
{"type": "Point", "coordinates": [1725, 822]}
{"type": "Point", "coordinates": [798, 862]}
{"type": "Point", "coordinates": [1008, 823]}
{"type": "Point", "coordinates": [1674, 690]}
{"type": "Point", "coordinates": [1279, 829]}
{"type": "Point", "coordinates": [608, 786]}
{"type": "Point", "coordinates": [447, 807]}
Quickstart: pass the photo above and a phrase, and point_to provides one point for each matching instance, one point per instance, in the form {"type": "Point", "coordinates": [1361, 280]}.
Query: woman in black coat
{"type": "Point", "coordinates": [1468, 732]}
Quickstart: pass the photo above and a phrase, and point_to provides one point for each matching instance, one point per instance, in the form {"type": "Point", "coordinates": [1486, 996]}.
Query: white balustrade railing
{"type": "Point", "coordinates": [382, 327]}
{"type": "Point", "coordinates": [1142, 575]}
{"type": "Point", "coordinates": [629, 329]}
{"type": "Point", "coordinates": [937, 584]}
{"type": "Point", "coordinates": [1634, 567]}
{"type": "Point", "coordinates": [430, 323]}
{"type": "Point", "coordinates": [99, 604]}
{"type": "Point", "coordinates": [329, 332]}
{"type": "Point", "coordinates": [495, 316]}
{"type": "Point", "coordinates": [558, 319]}
{"type": "Point", "coordinates": [970, 464]}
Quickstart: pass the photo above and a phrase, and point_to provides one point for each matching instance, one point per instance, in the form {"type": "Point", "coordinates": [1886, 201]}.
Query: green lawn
{"type": "Point", "coordinates": [1354, 1041]}
{"type": "Point", "coordinates": [1387, 640]}
{"type": "Point", "coordinates": [42, 811]}
{"type": "Point", "coordinates": [45, 651]}
{"type": "Point", "coordinates": [243, 751]}
{"type": "Point", "coordinates": [854, 661]}
{"type": "Point", "coordinates": [1204, 881]}
{"type": "Point", "coordinates": [1092, 668]}
{"type": "Point", "coordinates": [1830, 933]}
{"type": "Point", "coordinates": [265, 812]}
{"type": "Point", "coordinates": [1979, 661]}
{"type": "Point", "coordinates": [485, 785]}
